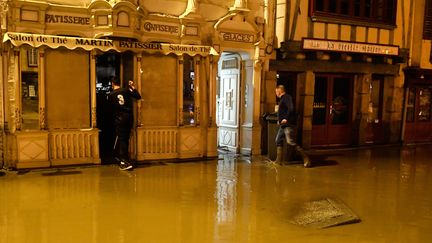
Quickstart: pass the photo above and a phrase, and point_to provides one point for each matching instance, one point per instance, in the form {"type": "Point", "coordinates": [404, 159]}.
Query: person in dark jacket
{"type": "Point", "coordinates": [286, 126]}
{"type": "Point", "coordinates": [121, 101]}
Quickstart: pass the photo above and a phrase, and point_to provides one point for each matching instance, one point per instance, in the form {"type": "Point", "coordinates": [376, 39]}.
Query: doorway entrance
{"type": "Point", "coordinates": [228, 103]}
{"type": "Point", "coordinates": [418, 114]}
{"type": "Point", "coordinates": [332, 110]}
{"type": "Point", "coordinates": [109, 65]}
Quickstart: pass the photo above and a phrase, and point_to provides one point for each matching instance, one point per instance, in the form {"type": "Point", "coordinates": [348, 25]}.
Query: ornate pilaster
{"type": "Point", "coordinates": [42, 92]}
{"type": "Point", "coordinates": [93, 89]}
{"type": "Point", "coordinates": [180, 90]}
{"type": "Point", "coordinates": [42, 118]}
{"type": "Point", "coordinates": [197, 90]}
{"type": "Point", "coordinates": [139, 85]}
{"type": "Point", "coordinates": [3, 16]}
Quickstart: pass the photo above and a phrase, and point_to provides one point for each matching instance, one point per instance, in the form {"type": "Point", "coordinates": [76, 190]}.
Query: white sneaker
{"type": "Point", "coordinates": [125, 165]}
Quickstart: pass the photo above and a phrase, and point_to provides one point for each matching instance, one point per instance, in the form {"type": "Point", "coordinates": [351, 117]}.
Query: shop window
{"type": "Point", "coordinates": [32, 57]}
{"type": "Point", "coordinates": [424, 105]}
{"type": "Point", "coordinates": [320, 101]}
{"type": "Point", "coordinates": [373, 11]}
{"type": "Point", "coordinates": [29, 89]}
{"type": "Point", "coordinates": [188, 91]}
{"type": "Point", "coordinates": [30, 100]}
{"type": "Point", "coordinates": [419, 104]}
{"type": "Point", "coordinates": [411, 105]}
{"type": "Point", "coordinates": [427, 27]}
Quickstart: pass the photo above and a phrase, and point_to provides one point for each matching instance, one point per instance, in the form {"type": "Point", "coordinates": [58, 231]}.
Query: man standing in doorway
{"type": "Point", "coordinates": [121, 100]}
{"type": "Point", "coordinates": [286, 126]}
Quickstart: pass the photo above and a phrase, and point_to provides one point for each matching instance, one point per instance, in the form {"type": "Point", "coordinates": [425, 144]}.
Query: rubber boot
{"type": "Point", "coordinates": [306, 161]}
{"type": "Point", "coordinates": [279, 156]}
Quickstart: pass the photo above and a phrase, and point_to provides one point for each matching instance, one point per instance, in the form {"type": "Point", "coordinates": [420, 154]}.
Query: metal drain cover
{"type": "Point", "coordinates": [324, 213]}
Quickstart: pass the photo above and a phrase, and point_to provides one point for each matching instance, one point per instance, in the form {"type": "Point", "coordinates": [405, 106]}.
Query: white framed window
{"type": "Point", "coordinates": [32, 57]}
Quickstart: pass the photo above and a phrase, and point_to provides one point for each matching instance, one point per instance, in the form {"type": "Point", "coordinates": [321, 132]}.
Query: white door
{"type": "Point", "coordinates": [229, 113]}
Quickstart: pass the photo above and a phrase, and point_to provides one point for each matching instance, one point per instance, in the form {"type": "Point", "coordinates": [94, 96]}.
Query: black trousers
{"type": "Point", "coordinates": [123, 126]}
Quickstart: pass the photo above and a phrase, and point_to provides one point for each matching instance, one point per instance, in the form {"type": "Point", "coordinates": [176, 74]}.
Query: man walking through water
{"type": "Point", "coordinates": [285, 112]}
{"type": "Point", "coordinates": [121, 100]}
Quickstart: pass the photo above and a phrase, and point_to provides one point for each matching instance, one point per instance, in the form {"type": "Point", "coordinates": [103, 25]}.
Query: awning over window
{"type": "Point", "coordinates": [71, 43]}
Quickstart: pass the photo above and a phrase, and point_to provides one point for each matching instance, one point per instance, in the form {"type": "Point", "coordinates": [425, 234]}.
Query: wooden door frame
{"type": "Point", "coordinates": [412, 127]}
{"type": "Point", "coordinates": [329, 103]}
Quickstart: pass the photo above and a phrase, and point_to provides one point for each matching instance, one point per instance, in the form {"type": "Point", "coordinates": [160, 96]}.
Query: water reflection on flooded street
{"type": "Point", "coordinates": [230, 199]}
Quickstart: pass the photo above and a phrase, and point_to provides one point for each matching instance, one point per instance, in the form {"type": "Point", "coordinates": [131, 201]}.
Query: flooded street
{"type": "Point", "coordinates": [230, 199]}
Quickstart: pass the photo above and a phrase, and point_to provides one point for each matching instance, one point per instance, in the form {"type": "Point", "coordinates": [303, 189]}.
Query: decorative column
{"type": "Point", "coordinates": [93, 89]}
{"type": "Point", "coordinates": [197, 90]}
{"type": "Point", "coordinates": [212, 91]}
{"type": "Point", "coordinates": [180, 64]}
{"type": "Point", "coordinates": [17, 70]}
{"type": "Point", "coordinates": [42, 92]}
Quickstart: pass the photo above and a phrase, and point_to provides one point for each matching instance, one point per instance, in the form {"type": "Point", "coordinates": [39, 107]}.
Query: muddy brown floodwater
{"type": "Point", "coordinates": [229, 199]}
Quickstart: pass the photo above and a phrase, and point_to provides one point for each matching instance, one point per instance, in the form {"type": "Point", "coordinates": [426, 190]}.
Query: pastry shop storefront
{"type": "Point", "coordinates": [55, 90]}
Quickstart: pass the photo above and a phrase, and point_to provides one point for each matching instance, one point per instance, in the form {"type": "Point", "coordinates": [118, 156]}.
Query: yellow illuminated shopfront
{"type": "Point", "coordinates": [58, 60]}
{"type": "Point", "coordinates": [56, 118]}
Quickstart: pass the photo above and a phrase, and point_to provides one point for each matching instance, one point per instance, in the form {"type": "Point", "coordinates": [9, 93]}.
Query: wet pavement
{"type": "Point", "coordinates": [232, 199]}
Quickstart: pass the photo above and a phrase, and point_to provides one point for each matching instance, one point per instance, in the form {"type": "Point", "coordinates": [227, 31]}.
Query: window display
{"type": "Point", "coordinates": [29, 89]}
{"type": "Point", "coordinates": [410, 105]}
{"type": "Point", "coordinates": [188, 91]}
{"type": "Point", "coordinates": [424, 104]}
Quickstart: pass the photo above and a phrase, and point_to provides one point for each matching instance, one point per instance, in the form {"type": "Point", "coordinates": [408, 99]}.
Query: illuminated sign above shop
{"type": "Point", "coordinates": [161, 28]}
{"type": "Point", "coordinates": [36, 40]}
{"type": "Point", "coordinates": [352, 47]}
{"type": "Point", "coordinates": [238, 37]}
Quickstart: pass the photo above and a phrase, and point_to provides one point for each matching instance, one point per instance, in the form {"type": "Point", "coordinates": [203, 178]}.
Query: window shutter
{"type": "Point", "coordinates": [427, 28]}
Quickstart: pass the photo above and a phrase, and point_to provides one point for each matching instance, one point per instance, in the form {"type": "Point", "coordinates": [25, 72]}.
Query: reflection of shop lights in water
{"type": "Point", "coordinates": [226, 191]}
